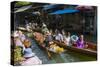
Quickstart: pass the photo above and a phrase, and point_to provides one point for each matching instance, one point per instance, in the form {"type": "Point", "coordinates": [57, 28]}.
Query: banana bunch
{"type": "Point", "coordinates": [56, 48]}
{"type": "Point", "coordinates": [59, 49]}
{"type": "Point", "coordinates": [17, 54]}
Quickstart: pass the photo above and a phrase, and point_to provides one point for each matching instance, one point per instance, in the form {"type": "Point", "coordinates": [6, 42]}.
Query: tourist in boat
{"type": "Point", "coordinates": [74, 39]}
{"type": "Point", "coordinates": [67, 39]}
{"type": "Point", "coordinates": [30, 58]}
{"type": "Point", "coordinates": [80, 42]}
{"type": "Point", "coordinates": [59, 36]}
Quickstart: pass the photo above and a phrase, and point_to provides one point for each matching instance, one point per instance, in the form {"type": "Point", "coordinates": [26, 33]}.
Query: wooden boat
{"type": "Point", "coordinates": [42, 46]}
{"type": "Point", "coordinates": [91, 48]}
{"type": "Point", "coordinates": [49, 52]}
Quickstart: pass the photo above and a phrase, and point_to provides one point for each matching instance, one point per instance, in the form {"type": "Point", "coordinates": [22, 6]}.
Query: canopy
{"type": "Point", "coordinates": [22, 9]}
{"type": "Point", "coordinates": [65, 11]}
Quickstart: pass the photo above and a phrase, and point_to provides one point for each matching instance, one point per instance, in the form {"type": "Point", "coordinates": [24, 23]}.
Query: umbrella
{"type": "Point", "coordinates": [65, 11]}
{"type": "Point", "coordinates": [84, 7]}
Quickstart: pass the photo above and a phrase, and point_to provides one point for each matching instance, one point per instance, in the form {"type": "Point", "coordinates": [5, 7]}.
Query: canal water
{"type": "Point", "coordinates": [65, 57]}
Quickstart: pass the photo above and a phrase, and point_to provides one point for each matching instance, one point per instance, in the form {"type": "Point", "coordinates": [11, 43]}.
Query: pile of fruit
{"type": "Point", "coordinates": [17, 55]}
{"type": "Point", "coordinates": [56, 48]}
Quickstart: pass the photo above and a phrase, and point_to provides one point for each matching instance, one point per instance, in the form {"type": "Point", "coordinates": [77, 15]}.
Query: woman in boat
{"type": "Point", "coordinates": [30, 58]}
{"type": "Point", "coordinates": [74, 39]}
{"type": "Point", "coordinates": [58, 36]}
{"type": "Point", "coordinates": [67, 39]}
{"type": "Point", "coordinates": [80, 42]}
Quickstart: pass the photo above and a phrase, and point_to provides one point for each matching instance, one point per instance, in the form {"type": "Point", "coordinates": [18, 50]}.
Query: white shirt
{"type": "Point", "coordinates": [67, 39]}
{"type": "Point", "coordinates": [59, 37]}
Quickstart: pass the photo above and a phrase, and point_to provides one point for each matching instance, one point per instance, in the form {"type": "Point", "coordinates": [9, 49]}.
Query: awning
{"type": "Point", "coordinates": [23, 8]}
{"type": "Point", "coordinates": [65, 11]}
{"type": "Point", "coordinates": [46, 7]}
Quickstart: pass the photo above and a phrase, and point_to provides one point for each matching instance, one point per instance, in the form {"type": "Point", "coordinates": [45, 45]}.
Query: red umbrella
{"type": "Point", "coordinates": [84, 7]}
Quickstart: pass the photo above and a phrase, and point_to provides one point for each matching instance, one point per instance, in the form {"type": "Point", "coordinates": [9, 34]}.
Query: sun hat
{"type": "Point", "coordinates": [74, 37]}
{"type": "Point", "coordinates": [28, 53]}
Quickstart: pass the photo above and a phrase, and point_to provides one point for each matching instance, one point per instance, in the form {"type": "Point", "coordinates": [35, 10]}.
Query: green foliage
{"type": "Point", "coordinates": [22, 3]}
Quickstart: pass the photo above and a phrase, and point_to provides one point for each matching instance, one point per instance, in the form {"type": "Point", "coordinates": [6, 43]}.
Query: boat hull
{"type": "Point", "coordinates": [88, 51]}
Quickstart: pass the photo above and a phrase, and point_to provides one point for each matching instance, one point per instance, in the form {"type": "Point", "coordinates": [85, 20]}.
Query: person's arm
{"type": "Point", "coordinates": [85, 44]}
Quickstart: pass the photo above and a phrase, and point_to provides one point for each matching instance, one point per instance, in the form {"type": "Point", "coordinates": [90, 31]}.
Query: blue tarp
{"type": "Point", "coordinates": [64, 11]}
